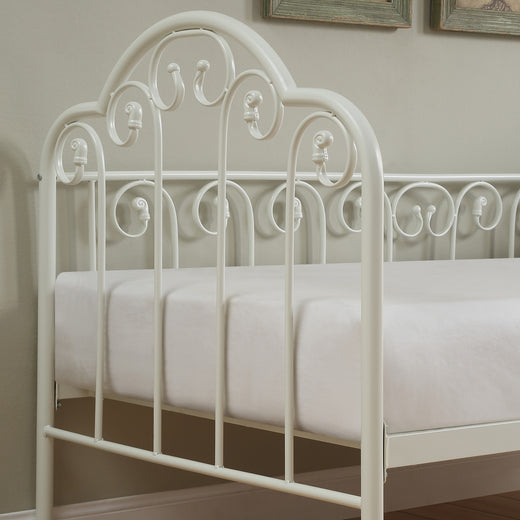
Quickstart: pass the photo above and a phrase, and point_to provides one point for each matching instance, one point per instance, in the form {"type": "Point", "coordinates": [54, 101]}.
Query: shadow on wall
{"type": "Point", "coordinates": [17, 328]}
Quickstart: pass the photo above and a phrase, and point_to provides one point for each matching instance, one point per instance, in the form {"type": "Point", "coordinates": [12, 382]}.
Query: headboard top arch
{"type": "Point", "coordinates": [272, 71]}
{"type": "Point", "coordinates": [203, 20]}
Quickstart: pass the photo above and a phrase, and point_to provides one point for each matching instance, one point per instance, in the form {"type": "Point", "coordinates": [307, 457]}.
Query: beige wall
{"type": "Point", "coordinates": [438, 102]}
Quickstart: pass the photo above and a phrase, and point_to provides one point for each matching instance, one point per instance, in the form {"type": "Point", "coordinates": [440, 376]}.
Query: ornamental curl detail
{"type": "Point", "coordinates": [337, 223]}
{"type": "Point", "coordinates": [423, 223]}
{"type": "Point", "coordinates": [132, 108]}
{"type": "Point", "coordinates": [480, 202]}
{"type": "Point", "coordinates": [253, 100]}
{"type": "Point", "coordinates": [202, 68]}
{"type": "Point", "coordinates": [322, 140]}
{"type": "Point", "coordinates": [198, 214]}
{"type": "Point", "coordinates": [80, 148]}
{"type": "Point", "coordinates": [307, 205]}
{"type": "Point", "coordinates": [140, 206]}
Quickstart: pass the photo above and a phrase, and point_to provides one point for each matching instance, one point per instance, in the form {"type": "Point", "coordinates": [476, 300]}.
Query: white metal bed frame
{"type": "Point", "coordinates": [379, 450]}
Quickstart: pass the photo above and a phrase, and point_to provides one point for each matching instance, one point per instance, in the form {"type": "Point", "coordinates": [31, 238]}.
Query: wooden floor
{"type": "Point", "coordinates": [495, 507]}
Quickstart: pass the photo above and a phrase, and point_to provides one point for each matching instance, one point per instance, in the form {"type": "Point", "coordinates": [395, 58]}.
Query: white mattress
{"type": "Point", "coordinates": [452, 342]}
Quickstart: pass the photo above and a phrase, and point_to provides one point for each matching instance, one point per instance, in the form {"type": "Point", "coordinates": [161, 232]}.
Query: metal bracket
{"type": "Point", "coordinates": [57, 402]}
{"type": "Point", "coordinates": [385, 453]}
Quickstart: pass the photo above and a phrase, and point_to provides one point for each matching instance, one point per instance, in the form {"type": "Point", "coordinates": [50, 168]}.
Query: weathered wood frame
{"type": "Point", "coordinates": [445, 15]}
{"type": "Point", "coordinates": [394, 13]}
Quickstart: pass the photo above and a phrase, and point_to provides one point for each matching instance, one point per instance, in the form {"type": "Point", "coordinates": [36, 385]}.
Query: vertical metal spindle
{"type": "Point", "coordinates": [221, 326]}
{"type": "Point", "coordinates": [289, 347]}
{"type": "Point", "coordinates": [389, 226]}
{"type": "Point", "coordinates": [45, 379]}
{"type": "Point", "coordinates": [289, 330]}
{"type": "Point", "coordinates": [92, 225]}
{"type": "Point", "coordinates": [101, 268]}
{"type": "Point", "coordinates": [453, 238]}
{"type": "Point", "coordinates": [372, 255]}
{"type": "Point", "coordinates": [158, 311]}
{"type": "Point", "coordinates": [220, 395]}
{"type": "Point", "coordinates": [512, 225]}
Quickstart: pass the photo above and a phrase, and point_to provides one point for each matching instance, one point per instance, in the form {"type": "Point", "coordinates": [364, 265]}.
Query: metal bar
{"type": "Point", "coordinates": [101, 267]}
{"type": "Point", "coordinates": [290, 196]}
{"type": "Point", "coordinates": [220, 355]}
{"type": "Point", "coordinates": [410, 448]}
{"type": "Point", "coordinates": [158, 275]}
{"type": "Point", "coordinates": [326, 495]}
{"type": "Point", "coordinates": [289, 328]}
{"type": "Point", "coordinates": [453, 237]}
{"type": "Point", "coordinates": [447, 178]}
{"type": "Point", "coordinates": [101, 343]}
{"type": "Point", "coordinates": [372, 257]}
{"type": "Point", "coordinates": [92, 224]}
{"type": "Point", "coordinates": [512, 225]}
{"type": "Point", "coordinates": [45, 379]}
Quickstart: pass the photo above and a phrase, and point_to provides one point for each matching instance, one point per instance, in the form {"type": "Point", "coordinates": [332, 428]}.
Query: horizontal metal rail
{"type": "Point", "coordinates": [294, 488]}
{"type": "Point", "coordinates": [304, 176]}
{"type": "Point", "coordinates": [426, 446]}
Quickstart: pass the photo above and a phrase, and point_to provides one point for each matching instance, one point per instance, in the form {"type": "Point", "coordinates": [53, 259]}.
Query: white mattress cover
{"type": "Point", "coordinates": [452, 342]}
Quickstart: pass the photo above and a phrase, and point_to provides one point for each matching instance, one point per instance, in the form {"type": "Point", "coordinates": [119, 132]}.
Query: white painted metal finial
{"type": "Point", "coordinates": [198, 83]}
{"type": "Point", "coordinates": [80, 146]}
{"type": "Point", "coordinates": [178, 85]}
{"type": "Point", "coordinates": [135, 115]}
{"type": "Point", "coordinates": [322, 140]}
{"type": "Point", "coordinates": [132, 108]}
{"type": "Point", "coordinates": [203, 66]}
{"type": "Point", "coordinates": [252, 100]}
{"type": "Point", "coordinates": [140, 204]}
{"type": "Point", "coordinates": [478, 205]}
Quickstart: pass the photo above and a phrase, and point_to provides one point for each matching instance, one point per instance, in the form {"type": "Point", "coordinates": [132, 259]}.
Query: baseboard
{"type": "Point", "coordinates": [406, 488]}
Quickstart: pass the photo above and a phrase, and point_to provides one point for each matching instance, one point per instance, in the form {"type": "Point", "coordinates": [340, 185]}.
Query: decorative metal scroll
{"type": "Point", "coordinates": [308, 209]}
{"type": "Point", "coordinates": [238, 207]}
{"type": "Point", "coordinates": [305, 205]}
{"type": "Point", "coordinates": [139, 205]}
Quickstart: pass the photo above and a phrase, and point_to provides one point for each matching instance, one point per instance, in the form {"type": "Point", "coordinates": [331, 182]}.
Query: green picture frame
{"type": "Point", "coordinates": [446, 15]}
{"type": "Point", "coordinates": [392, 13]}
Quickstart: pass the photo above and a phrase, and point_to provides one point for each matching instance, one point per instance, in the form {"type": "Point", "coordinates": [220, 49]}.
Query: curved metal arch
{"type": "Point", "coordinates": [210, 21]}
{"type": "Point", "coordinates": [216, 22]}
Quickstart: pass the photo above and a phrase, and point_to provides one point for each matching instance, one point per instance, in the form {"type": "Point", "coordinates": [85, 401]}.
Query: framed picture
{"type": "Point", "coordinates": [490, 16]}
{"type": "Point", "coordinates": [388, 13]}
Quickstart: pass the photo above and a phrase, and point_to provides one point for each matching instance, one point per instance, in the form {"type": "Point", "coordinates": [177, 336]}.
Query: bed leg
{"type": "Point", "coordinates": [44, 476]}
{"type": "Point", "coordinates": [372, 477]}
{"type": "Point", "coordinates": [44, 450]}
{"type": "Point", "coordinates": [45, 417]}
{"type": "Point", "coordinates": [373, 469]}
{"type": "Point", "coordinates": [372, 500]}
